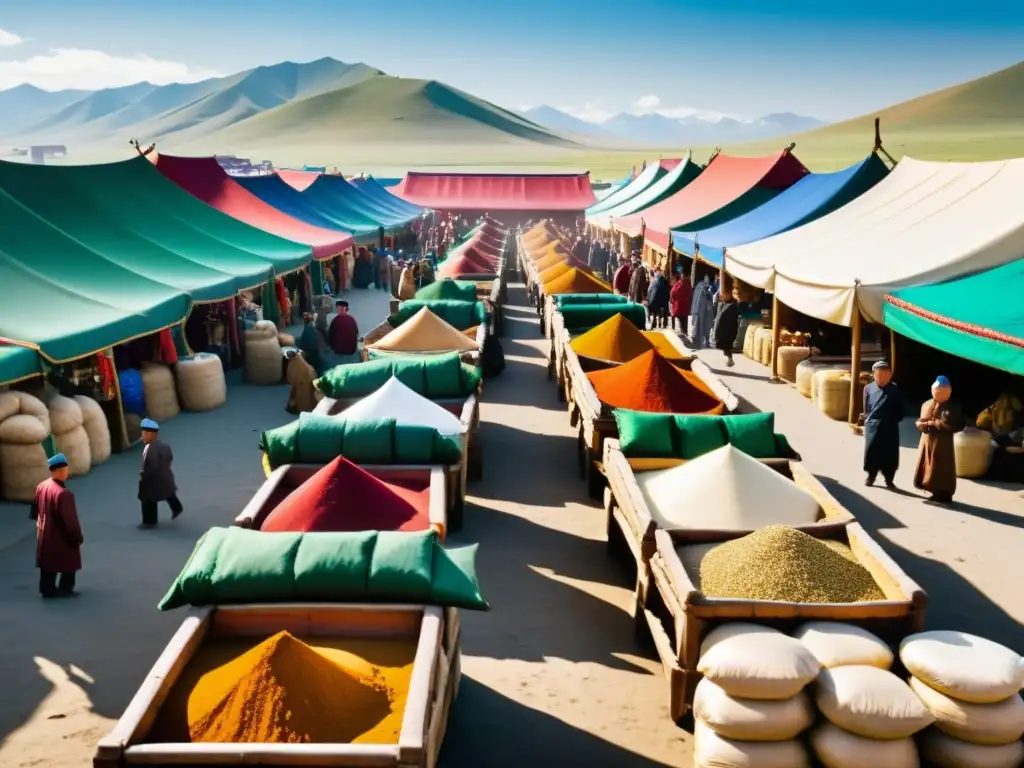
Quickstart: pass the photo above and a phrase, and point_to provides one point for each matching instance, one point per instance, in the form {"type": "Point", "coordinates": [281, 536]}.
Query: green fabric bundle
{"type": "Point", "coordinates": [317, 439]}
{"type": "Point", "coordinates": [447, 289]}
{"type": "Point", "coordinates": [594, 313]}
{"type": "Point", "coordinates": [433, 376]}
{"type": "Point", "coordinates": [238, 565]}
{"type": "Point", "coordinates": [563, 299]}
{"type": "Point", "coordinates": [667, 435]}
{"type": "Point", "coordinates": [461, 314]}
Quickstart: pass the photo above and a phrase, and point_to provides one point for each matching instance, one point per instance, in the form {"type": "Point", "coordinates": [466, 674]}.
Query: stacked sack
{"type": "Point", "coordinates": [159, 392]}
{"type": "Point", "coordinates": [201, 382]}
{"type": "Point", "coordinates": [68, 427]}
{"type": "Point", "coordinates": [871, 714]}
{"type": "Point", "coordinates": [751, 707]}
{"type": "Point", "coordinates": [24, 425]}
{"type": "Point", "coordinates": [263, 362]}
{"type": "Point", "coordinates": [96, 428]}
{"type": "Point", "coordinates": [972, 688]}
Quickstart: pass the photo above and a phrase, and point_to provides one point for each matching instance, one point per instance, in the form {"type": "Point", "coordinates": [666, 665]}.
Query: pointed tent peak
{"type": "Point", "coordinates": [425, 332]}
{"type": "Point", "coordinates": [616, 340]}
{"type": "Point", "coordinates": [651, 383]}
{"type": "Point", "coordinates": [576, 281]}
{"type": "Point", "coordinates": [342, 496]}
{"type": "Point", "coordinates": [407, 407]}
{"type": "Point", "coordinates": [745, 494]}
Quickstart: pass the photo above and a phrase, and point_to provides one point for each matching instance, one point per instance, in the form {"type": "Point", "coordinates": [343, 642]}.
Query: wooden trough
{"type": "Point", "coordinates": [678, 616]}
{"type": "Point", "coordinates": [433, 686]}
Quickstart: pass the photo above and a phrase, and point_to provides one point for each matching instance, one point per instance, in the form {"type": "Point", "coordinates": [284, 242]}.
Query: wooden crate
{"type": "Point", "coordinates": [432, 688]}
{"type": "Point", "coordinates": [678, 616]}
{"type": "Point", "coordinates": [629, 519]}
{"type": "Point", "coordinates": [288, 477]}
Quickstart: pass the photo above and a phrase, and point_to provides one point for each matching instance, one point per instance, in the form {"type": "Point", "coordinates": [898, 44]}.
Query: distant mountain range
{"type": "Point", "coordinates": [657, 130]}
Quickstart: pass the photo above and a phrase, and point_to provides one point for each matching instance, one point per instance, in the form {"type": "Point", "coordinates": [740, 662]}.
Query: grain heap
{"type": "Point", "coordinates": [576, 281]}
{"type": "Point", "coordinates": [396, 401]}
{"type": "Point", "coordinates": [284, 692]}
{"type": "Point", "coordinates": [782, 564]}
{"type": "Point", "coordinates": [971, 686]}
{"type": "Point", "coordinates": [344, 497]}
{"type": "Point", "coordinates": [651, 383]}
{"type": "Point", "coordinates": [425, 332]}
{"type": "Point", "coordinates": [616, 340]}
{"type": "Point", "coordinates": [725, 490]}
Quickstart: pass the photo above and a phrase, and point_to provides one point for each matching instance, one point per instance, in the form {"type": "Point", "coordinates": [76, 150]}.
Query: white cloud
{"type": "Point", "coordinates": [648, 103]}
{"type": "Point", "coordinates": [591, 112]}
{"type": "Point", "coordinates": [708, 115]}
{"type": "Point", "coordinates": [63, 68]}
{"type": "Point", "coordinates": [9, 39]}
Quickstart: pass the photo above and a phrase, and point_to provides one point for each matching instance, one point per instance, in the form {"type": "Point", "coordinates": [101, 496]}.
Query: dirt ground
{"type": "Point", "coordinates": [552, 673]}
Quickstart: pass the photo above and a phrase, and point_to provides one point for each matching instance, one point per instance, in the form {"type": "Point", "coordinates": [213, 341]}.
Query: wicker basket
{"type": "Point", "coordinates": [201, 382]}
{"type": "Point", "coordinates": [833, 394]}
{"type": "Point", "coordinates": [973, 451]}
{"type": "Point", "coordinates": [766, 350]}
{"type": "Point", "coordinates": [159, 392]}
{"type": "Point", "coordinates": [762, 338]}
{"type": "Point", "coordinates": [96, 428]}
{"type": "Point", "coordinates": [819, 377]}
{"type": "Point", "coordinates": [748, 337]}
{"type": "Point", "coordinates": [22, 458]}
{"type": "Point", "coordinates": [789, 359]}
{"type": "Point", "coordinates": [264, 364]}
{"type": "Point", "coordinates": [805, 376]}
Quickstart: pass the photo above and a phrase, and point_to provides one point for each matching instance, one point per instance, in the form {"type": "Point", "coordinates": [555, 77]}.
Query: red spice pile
{"type": "Point", "coordinates": [344, 497]}
{"type": "Point", "coordinates": [651, 383]}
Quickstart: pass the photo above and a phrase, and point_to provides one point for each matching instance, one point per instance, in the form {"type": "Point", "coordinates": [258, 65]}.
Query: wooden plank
{"type": "Point", "coordinates": [438, 501]}
{"type": "Point", "coordinates": [350, 619]}
{"type": "Point", "coordinates": [715, 384]}
{"type": "Point", "coordinates": [352, 755]}
{"type": "Point", "coordinates": [411, 739]}
{"type": "Point", "coordinates": [252, 514]}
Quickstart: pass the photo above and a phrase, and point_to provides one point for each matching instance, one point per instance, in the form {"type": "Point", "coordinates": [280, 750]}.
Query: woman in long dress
{"type": "Point", "coordinates": [936, 460]}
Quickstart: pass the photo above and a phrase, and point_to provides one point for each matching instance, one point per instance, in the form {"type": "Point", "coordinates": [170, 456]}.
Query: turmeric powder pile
{"type": "Point", "coordinates": [284, 691]}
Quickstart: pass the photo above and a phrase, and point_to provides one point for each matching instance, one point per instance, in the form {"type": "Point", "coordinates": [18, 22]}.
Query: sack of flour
{"type": "Point", "coordinates": [754, 662]}
{"type": "Point", "coordinates": [751, 719]}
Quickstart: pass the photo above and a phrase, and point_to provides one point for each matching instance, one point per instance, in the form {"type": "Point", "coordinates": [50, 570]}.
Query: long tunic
{"type": "Point", "coordinates": [58, 532]}
{"type": "Point", "coordinates": [343, 334]}
{"type": "Point", "coordinates": [681, 295]}
{"type": "Point", "coordinates": [638, 285]}
{"type": "Point", "coordinates": [936, 460]}
{"type": "Point", "coordinates": [309, 343]}
{"type": "Point", "coordinates": [727, 324]}
{"type": "Point", "coordinates": [156, 478]}
{"type": "Point", "coordinates": [622, 279]}
{"type": "Point", "coordinates": [701, 308]}
{"type": "Point", "coordinates": [883, 412]}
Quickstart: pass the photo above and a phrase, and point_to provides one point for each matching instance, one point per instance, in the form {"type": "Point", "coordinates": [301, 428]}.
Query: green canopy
{"type": "Point", "coordinates": [977, 317]}
{"type": "Point", "coordinates": [18, 364]}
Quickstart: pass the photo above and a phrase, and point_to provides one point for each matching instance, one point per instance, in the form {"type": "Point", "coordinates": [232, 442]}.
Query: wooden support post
{"type": "Point", "coordinates": [776, 334]}
{"type": "Point", "coordinates": [892, 351]}
{"type": "Point", "coordinates": [854, 365]}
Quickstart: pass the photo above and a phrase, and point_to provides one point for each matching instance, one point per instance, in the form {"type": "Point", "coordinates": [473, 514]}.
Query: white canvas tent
{"type": "Point", "coordinates": [926, 222]}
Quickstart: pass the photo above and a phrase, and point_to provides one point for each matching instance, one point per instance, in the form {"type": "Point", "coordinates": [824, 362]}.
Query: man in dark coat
{"type": "Point", "coordinates": [156, 478]}
{"type": "Point", "coordinates": [58, 532]}
{"type": "Point", "coordinates": [343, 335]}
{"type": "Point", "coordinates": [883, 412]}
{"type": "Point", "coordinates": [638, 283]}
{"type": "Point", "coordinates": [657, 300]}
{"type": "Point", "coordinates": [727, 325]}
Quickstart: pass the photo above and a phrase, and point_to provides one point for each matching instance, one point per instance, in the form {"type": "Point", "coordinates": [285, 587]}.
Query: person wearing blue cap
{"type": "Point", "coordinates": [883, 412]}
{"type": "Point", "coordinates": [156, 478]}
{"type": "Point", "coordinates": [58, 532]}
{"type": "Point", "coordinates": [936, 460]}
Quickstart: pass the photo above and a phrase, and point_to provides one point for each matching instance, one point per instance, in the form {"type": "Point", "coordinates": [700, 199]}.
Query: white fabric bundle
{"type": "Point", "coordinates": [835, 644]}
{"type": "Point", "coordinates": [13, 403]}
{"type": "Point", "coordinates": [749, 661]}
{"type": "Point", "coordinates": [749, 719]}
{"type": "Point", "coordinates": [201, 382]}
{"type": "Point", "coordinates": [96, 428]}
{"type": "Point", "coordinates": [713, 751]}
{"type": "Point", "coordinates": [69, 434]}
{"type": "Point", "coordinates": [836, 748]}
{"type": "Point", "coordinates": [942, 750]}
{"type": "Point", "coordinates": [22, 457]}
{"type": "Point", "coordinates": [159, 393]}
{"type": "Point", "coordinates": [870, 702]}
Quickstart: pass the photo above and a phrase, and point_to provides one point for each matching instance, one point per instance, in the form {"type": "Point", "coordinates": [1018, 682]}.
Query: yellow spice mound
{"type": "Point", "coordinates": [283, 691]}
{"type": "Point", "coordinates": [783, 564]}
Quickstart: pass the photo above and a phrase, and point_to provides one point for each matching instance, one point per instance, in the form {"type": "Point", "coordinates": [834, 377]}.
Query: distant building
{"type": "Point", "coordinates": [40, 152]}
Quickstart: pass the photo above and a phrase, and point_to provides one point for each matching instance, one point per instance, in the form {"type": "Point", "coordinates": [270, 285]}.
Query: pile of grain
{"type": "Point", "coordinates": [782, 564]}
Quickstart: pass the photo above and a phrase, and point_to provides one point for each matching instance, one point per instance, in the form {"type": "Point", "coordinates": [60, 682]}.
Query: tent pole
{"type": "Point", "coordinates": [854, 365]}
{"type": "Point", "coordinates": [776, 334]}
{"type": "Point", "coordinates": [892, 351]}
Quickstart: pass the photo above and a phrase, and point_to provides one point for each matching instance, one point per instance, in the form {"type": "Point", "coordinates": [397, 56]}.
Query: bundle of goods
{"type": "Point", "coordinates": [971, 686]}
{"type": "Point", "coordinates": [201, 383]}
{"type": "Point", "coordinates": [237, 565]}
{"type": "Point", "coordinates": [96, 429]}
{"type": "Point", "coordinates": [405, 406]}
{"type": "Point", "coordinates": [24, 426]}
{"type": "Point", "coordinates": [753, 326]}
{"type": "Point", "coordinates": [617, 340]}
{"type": "Point", "coordinates": [726, 489]}
{"type": "Point", "coordinates": [456, 312]}
{"type": "Point", "coordinates": [588, 314]}
{"type": "Point", "coordinates": [751, 707]}
{"type": "Point", "coordinates": [67, 425]}
{"type": "Point", "coordinates": [566, 299]}
{"type": "Point", "coordinates": [129, 382]}
{"type": "Point", "coordinates": [159, 392]}
{"type": "Point", "coordinates": [793, 339]}
{"type": "Point", "coordinates": [448, 289]}
{"type": "Point", "coordinates": [424, 332]}
{"type": "Point", "coordinates": [805, 372]}
{"type": "Point", "coordinates": [790, 358]}
{"type": "Point", "coordinates": [263, 362]}
{"type": "Point", "coordinates": [832, 390]}
{"type": "Point", "coordinates": [973, 449]}
{"type": "Point", "coordinates": [434, 376]}
{"type": "Point", "coordinates": [285, 340]}
{"type": "Point", "coordinates": [651, 383]}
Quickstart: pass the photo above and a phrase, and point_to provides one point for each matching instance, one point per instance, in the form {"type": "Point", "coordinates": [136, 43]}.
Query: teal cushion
{"type": "Point", "coordinates": [370, 442]}
{"type": "Point", "coordinates": [698, 435]}
{"type": "Point", "coordinates": [320, 439]}
{"type": "Point", "coordinates": [402, 564]}
{"type": "Point", "coordinates": [414, 444]}
{"type": "Point", "coordinates": [644, 434]}
{"type": "Point", "coordinates": [752, 433]}
{"type": "Point", "coordinates": [443, 375]}
{"type": "Point", "coordinates": [326, 566]}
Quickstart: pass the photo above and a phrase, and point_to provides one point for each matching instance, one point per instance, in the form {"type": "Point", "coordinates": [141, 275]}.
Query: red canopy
{"type": "Point", "coordinates": [725, 180]}
{"type": "Point", "coordinates": [298, 179]}
{"type": "Point", "coordinates": [497, 192]}
{"type": "Point", "coordinates": [203, 177]}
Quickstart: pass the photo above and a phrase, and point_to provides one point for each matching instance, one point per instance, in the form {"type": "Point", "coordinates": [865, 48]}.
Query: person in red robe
{"type": "Point", "coordinates": [58, 532]}
{"type": "Point", "coordinates": [343, 335]}
{"type": "Point", "coordinates": [680, 298]}
{"type": "Point", "coordinates": [623, 276]}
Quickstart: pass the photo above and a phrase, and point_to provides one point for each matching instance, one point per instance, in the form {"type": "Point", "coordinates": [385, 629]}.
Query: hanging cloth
{"type": "Point", "coordinates": [168, 352]}
{"type": "Point", "coordinates": [107, 374]}
{"type": "Point", "coordinates": [233, 325]}
{"type": "Point", "coordinates": [269, 301]}
{"type": "Point", "coordinates": [316, 277]}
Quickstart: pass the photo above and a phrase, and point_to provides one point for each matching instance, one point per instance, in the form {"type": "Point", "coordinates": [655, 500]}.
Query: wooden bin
{"type": "Point", "coordinates": [596, 422]}
{"type": "Point", "coordinates": [470, 357]}
{"type": "Point", "coordinates": [629, 519]}
{"type": "Point", "coordinates": [432, 688]}
{"type": "Point", "coordinates": [288, 477]}
{"type": "Point", "coordinates": [467, 410]}
{"type": "Point", "coordinates": [679, 616]}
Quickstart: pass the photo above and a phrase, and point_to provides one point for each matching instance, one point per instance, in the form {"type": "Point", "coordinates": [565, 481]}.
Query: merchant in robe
{"type": "Point", "coordinates": [936, 462]}
{"type": "Point", "coordinates": [58, 532]}
{"type": "Point", "coordinates": [883, 412]}
{"type": "Point", "coordinates": [156, 478]}
{"type": "Point", "coordinates": [343, 335]}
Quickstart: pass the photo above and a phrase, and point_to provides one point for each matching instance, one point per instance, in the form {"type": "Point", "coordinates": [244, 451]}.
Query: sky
{"type": "Point", "coordinates": [829, 60]}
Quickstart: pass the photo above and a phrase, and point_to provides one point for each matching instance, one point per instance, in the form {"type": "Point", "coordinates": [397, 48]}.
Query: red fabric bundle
{"type": "Point", "coordinates": [168, 352]}
{"type": "Point", "coordinates": [282, 295]}
{"type": "Point", "coordinates": [344, 497]}
{"type": "Point", "coordinates": [651, 383]}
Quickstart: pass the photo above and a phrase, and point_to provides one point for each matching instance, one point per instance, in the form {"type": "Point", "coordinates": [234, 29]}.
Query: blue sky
{"type": "Point", "coordinates": [831, 60]}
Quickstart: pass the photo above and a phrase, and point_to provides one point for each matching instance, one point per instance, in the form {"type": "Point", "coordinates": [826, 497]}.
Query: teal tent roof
{"type": "Point", "coordinates": [312, 209]}
{"type": "Point", "coordinates": [666, 186]}
{"type": "Point", "coordinates": [18, 364]}
{"type": "Point", "coordinates": [335, 191]}
{"type": "Point", "coordinates": [978, 317]}
{"type": "Point", "coordinates": [623, 194]}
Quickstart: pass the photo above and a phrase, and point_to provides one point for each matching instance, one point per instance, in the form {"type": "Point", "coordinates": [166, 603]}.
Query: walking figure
{"type": "Point", "coordinates": [58, 532]}
{"type": "Point", "coordinates": [156, 478]}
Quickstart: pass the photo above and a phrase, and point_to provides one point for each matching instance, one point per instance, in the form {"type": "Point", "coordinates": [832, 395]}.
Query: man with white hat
{"type": "Point", "coordinates": [58, 532]}
{"type": "Point", "coordinates": [156, 478]}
